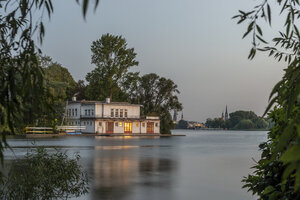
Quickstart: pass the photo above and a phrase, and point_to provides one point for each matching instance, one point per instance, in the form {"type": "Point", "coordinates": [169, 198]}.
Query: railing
{"type": "Point", "coordinates": [110, 117]}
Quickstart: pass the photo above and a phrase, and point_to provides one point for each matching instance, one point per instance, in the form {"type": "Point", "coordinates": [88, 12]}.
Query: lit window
{"type": "Point", "coordinates": [112, 112]}
{"type": "Point", "coordinates": [120, 124]}
{"type": "Point", "coordinates": [125, 112]}
{"type": "Point", "coordinates": [117, 113]}
{"type": "Point", "coordinates": [137, 124]}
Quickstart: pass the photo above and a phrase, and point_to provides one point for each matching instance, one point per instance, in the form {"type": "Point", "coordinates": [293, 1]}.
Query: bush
{"type": "Point", "coordinates": [41, 175]}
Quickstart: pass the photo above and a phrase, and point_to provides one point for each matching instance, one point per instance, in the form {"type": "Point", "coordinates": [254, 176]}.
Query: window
{"type": "Point", "coordinates": [121, 124]}
{"type": "Point", "coordinates": [85, 112]}
{"type": "Point", "coordinates": [125, 112]}
{"type": "Point", "coordinates": [117, 113]}
{"type": "Point", "coordinates": [89, 112]}
{"type": "Point", "coordinates": [143, 124]}
{"type": "Point", "coordinates": [84, 122]}
{"type": "Point", "coordinates": [69, 112]}
{"type": "Point", "coordinates": [72, 112]}
{"type": "Point", "coordinates": [92, 112]}
{"type": "Point", "coordinates": [116, 124]}
{"type": "Point", "coordinates": [112, 112]}
{"type": "Point", "coordinates": [137, 124]}
{"type": "Point", "coordinates": [100, 123]}
{"type": "Point", "coordinates": [75, 111]}
{"type": "Point", "coordinates": [121, 112]}
{"type": "Point", "coordinates": [156, 124]}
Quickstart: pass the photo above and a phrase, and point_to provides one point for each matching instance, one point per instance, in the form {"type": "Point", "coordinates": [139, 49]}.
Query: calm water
{"type": "Point", "coordinates": [204, 165]}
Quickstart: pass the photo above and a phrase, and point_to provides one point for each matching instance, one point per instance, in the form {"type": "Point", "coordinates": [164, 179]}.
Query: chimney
{"type": "Point", "coordinates": [107, 100]}
{"type": "Point", "coordinates": [74, 98]}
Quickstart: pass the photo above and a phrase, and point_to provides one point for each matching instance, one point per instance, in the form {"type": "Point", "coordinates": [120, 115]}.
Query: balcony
{"type": "Point", "coordinates": [109, 117]}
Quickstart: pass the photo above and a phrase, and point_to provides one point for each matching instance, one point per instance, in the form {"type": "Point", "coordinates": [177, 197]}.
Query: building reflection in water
{"type": "Point", "coordinates": [125, 172]}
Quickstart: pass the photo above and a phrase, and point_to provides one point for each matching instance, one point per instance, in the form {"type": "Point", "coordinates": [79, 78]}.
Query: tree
{"type": "Point", "coordinates": [113, 59]}
{"type": "Point", "coordinates": [277, 173]}
{"type": "Point", "coordinates": [80, 90]}
{"type": "Point", "coordinates": [21, 77]}
{"type": "Point", "coordinates": [41, 175]}
{"type": "Point", "coordinates": [158, 96]}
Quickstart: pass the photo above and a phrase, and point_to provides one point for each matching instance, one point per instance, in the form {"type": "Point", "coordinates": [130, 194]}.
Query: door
{"type": "Point", "coordinates": [150, 127]}
{"type": "Point", "coordinates": [127, 127]}
{"type": "Point", "coordinates": [109, 127]}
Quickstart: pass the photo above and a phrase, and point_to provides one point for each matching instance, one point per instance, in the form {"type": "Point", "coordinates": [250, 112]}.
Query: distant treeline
{"type": "Point", "coordinates": [240, 120]}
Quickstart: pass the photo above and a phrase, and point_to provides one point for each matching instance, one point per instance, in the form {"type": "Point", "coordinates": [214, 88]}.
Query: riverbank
{"type": "Point", "coordinates": [91, 135]}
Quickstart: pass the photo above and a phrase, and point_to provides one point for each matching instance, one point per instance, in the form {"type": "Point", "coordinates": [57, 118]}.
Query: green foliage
{"type": "Point", "coordinates": [41, 175]}
{"type": "Point", "coordinates": [80, 89]}
{"type": "Point", "coordinates": [277, 174]}
{"type": "Point", "coordinates": [245, 120]}
{"type": "Point", "coordinates": [241, 120]}
{"type": "Point", "coordinates": [215, 123]}
{"type": "Point", "coordinates": [21, 78]}
{"type": "Point", "coordinates": [113, 59]}
{"type": "Point", "coordinates": [23, 96]}
{"type": "Point", "coordinates": [182, 124]}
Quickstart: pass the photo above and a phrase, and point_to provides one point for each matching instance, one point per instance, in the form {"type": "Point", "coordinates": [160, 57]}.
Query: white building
{"type": "Point", "coordinates": [110, 117]}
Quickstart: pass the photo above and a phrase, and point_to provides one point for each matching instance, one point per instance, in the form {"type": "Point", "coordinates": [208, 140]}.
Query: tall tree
{"type": "Point", "coordinates": [158, 96]}
{"type": "Point", "coordinates": [113, 59]}
{"type": "Point", "coordinates": [277, 174]}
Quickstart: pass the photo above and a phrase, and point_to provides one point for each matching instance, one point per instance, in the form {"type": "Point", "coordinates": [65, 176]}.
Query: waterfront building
{"type": "Point", "coordinates": [106, 117]}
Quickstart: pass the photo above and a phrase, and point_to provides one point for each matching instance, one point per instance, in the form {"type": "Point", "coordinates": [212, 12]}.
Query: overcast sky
{"type": "Point", "coordinates": [193, 42]}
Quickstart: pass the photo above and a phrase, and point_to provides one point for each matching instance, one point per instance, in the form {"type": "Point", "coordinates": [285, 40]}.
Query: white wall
{"type": "Point", "coordinates": [98, 110]}
{"type": "Point", "coordinates": [71, 111]}
{"type": "Point", "coordinates": [132, 110]}
{"type": "Point", "coordinates": [87, 107]}
{"type": "Point", "coordinates": [89, 125]}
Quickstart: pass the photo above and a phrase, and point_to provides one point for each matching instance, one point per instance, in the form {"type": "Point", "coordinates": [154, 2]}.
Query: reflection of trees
{"type": "Point", "coordinates": [157, 172]}
{"type": "Point", "coordinates": [117, 173]}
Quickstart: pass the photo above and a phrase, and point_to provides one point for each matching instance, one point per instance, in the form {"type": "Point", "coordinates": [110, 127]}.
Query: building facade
{"type": "Point", "coordinates": [110, 118]}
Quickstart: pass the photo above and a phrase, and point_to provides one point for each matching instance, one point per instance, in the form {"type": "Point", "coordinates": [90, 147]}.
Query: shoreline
{"type": "Point", "coordinates": [88, 135]}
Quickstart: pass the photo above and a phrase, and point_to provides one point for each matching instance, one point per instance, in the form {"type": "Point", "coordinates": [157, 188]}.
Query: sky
{"type": "Point", "coordinates": [193, 42]}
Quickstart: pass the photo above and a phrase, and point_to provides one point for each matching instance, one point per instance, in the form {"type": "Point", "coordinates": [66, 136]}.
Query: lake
{"type": "Point", "coordinates": [203, 165]}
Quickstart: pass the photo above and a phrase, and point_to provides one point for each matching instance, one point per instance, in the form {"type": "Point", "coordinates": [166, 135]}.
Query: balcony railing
{"type": "Point", "coordinates": [110, 117]}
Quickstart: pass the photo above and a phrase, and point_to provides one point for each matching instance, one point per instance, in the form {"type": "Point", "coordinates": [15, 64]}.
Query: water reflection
{"type": "Point", "coordinates": [122, 174]}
